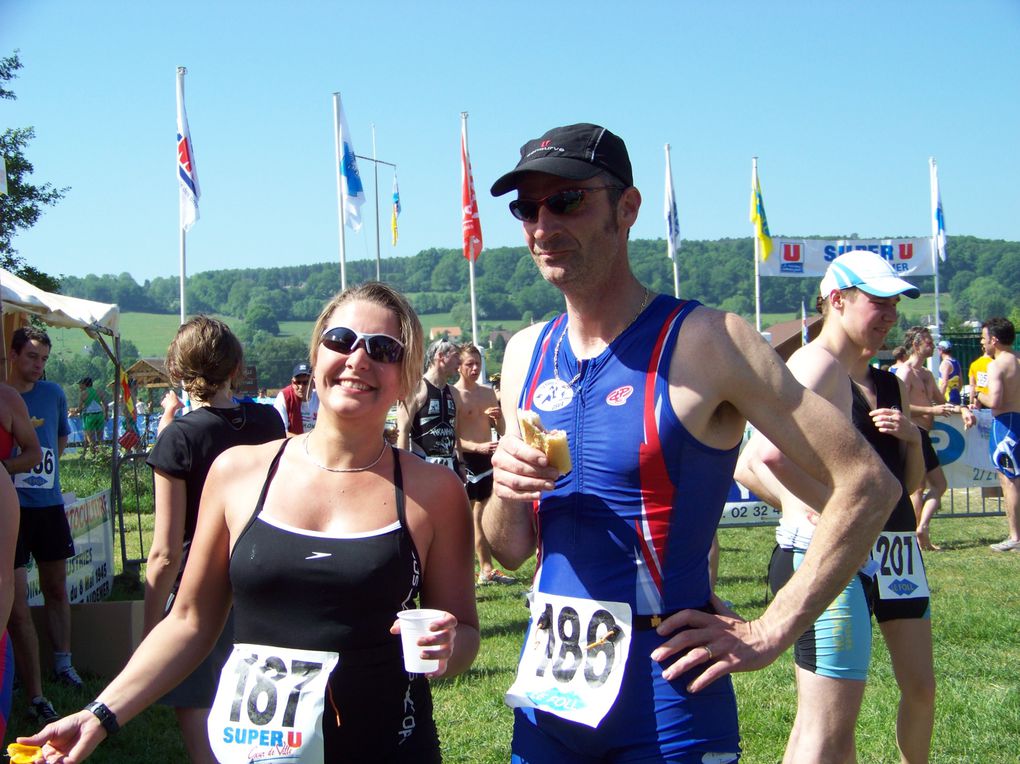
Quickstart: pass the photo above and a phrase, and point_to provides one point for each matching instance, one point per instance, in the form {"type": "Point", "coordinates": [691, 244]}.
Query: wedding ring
{"type": "Point", "coordinates": [708, 650]}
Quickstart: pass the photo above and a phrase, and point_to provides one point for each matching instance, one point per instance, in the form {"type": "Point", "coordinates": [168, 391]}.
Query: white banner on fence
{"type": "Point", "coordinates": [90, 571]}
{"type": "Point", "coordinates": [810, 257]}
{"type": "Point", "coordinates": [963, 455]}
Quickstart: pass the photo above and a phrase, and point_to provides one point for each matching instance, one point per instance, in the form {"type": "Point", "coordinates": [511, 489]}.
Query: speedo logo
{"type": "Point", "coordinates": [620, 395]}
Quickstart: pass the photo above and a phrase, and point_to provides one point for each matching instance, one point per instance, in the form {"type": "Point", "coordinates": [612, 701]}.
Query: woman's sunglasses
{"type": "Point", "coordinates": [379, 347]}
{"type": "Point", "coordinates": [561, 203]}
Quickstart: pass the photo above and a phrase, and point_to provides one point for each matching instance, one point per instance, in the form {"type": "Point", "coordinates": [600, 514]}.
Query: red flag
{"type": "Point", "coordinates": [129, 440]}
{"type": "Point", "coordinates": [469, 203]}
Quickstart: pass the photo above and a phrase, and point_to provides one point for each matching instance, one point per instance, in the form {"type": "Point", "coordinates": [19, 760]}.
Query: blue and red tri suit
{"type": "Point", "coordinates": [632, 522]}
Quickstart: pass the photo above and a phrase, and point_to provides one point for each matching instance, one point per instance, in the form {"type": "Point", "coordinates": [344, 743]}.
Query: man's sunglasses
{"type": "Point", "coordinates": [561, 203]}
{"type": "Point", "coordinates": [379, 347]}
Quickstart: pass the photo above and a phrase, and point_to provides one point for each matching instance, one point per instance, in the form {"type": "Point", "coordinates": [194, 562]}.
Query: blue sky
{"type": "Point", "coordinates": [843, 103]}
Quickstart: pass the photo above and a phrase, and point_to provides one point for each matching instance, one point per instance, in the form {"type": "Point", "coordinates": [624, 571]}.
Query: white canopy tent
{"type": "Point", "coordinates": [98, 320]}
{"type": "Point", "coordinates": [57, 310]}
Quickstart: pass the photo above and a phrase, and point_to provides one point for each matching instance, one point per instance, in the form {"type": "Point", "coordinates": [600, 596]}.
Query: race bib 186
{"type": "Point", "coordinates": [269, 705]}
{"type": "Point", "coordinates": [573, 661]}
{"type": "Point", "coordinates": [900, 569]}
{"type": "Point", "coordinates": [42, 475]}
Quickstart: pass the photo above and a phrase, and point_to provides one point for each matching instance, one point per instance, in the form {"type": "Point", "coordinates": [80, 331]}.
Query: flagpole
{"type": "Point", "coordinates": [184, 311]}
{"type": "Point", "coordinates": [471, 261]}
{"type": "Point", "coordinates": [670, 244]}
{"type": "Point", "coordinates": [378, 255]}
{"type": "Point", "coordinates": [757, 257]}
{"type": "Point", "coordinates": [933, 180]}
{"type": "Point", "coordinates": [181, 71]}
{"type": "Point", "coordinates": [339, 189]}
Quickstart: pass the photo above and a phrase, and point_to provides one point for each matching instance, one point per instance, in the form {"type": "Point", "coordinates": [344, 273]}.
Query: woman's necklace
{"type": "Point", "coordinates": [580, 366]}
{"type": "Point", "coordinates": [343, 469]}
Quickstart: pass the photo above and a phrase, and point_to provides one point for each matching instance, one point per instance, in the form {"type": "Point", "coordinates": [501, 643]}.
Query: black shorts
{"type": "Point", "coordinates": [478, 488]}
{"type": "Point", "coordinates": [44, 534]}
{"type": "Point", "coordinates": [931, 459]}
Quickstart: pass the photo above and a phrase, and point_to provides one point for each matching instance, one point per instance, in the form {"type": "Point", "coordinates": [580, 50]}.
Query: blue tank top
{"type": "Point", "coordinates": [634, 519]}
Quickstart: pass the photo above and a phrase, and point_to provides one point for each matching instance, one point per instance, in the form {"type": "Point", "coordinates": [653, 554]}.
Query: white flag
{"type": "Point", "coordinates": [351, 189]}
{"type": "Point", "coordinates": [672, 219]}
{"type": "Point", "coordinates": [187, 174]}
{"type": "Point", "coordinates": [3, 176]}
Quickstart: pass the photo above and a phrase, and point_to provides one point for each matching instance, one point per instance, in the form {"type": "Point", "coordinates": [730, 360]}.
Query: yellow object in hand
{"type": "Point", "coordinates": [23, 754]}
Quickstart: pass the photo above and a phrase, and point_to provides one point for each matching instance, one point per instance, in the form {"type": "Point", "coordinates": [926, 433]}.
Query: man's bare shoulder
{"type": "Point", "coordinates": [817, 369]}
{"type": "Point", "coordinates": [416, 399]}
{"type": "Point", "coordinates": [525, 339]}
{"type": "Point", "coordinates": [711, 333]}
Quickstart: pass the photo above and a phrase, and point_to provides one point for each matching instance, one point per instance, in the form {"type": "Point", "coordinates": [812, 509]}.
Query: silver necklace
{"type": "Point", "coordinates": [343, 469]}
{"type": "Point", "coordinates": [580, 363]}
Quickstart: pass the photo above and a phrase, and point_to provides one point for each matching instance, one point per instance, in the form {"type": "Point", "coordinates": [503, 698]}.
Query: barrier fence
{"type": "Point", "coordinates": [973, 484]}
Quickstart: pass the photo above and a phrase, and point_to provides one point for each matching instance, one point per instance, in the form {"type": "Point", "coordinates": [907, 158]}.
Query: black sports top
{"type": "Point", "coordinates": [433, 426]}
{"type": "Point", "coordinates": [888, 447]}
{"type": "Point", "coordinates": [305, 589]}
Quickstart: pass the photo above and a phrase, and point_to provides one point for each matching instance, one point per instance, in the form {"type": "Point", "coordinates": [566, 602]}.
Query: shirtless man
{"type": "Point", "coordinates": [480, 422]}
{"type": "Point", "coordinates": [926, 403]}
{"type": "Point", "coordinates": [1003, 398]}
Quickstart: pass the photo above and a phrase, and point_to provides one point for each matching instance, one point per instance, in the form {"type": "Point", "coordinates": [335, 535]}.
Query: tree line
{"type": "Point", "coordinates": [981, 275]}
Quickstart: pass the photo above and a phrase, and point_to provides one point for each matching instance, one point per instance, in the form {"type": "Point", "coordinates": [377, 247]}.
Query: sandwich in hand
{"type": "Point", "coordinates": [552, 442]}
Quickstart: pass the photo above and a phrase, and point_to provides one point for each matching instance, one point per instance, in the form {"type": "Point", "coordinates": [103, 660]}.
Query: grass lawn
{"type": "Point", "coordinates": [977, 653]}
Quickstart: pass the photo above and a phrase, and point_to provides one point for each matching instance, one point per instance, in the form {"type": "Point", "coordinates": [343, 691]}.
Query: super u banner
{"type": "Point", "coordinates": [810, 257]}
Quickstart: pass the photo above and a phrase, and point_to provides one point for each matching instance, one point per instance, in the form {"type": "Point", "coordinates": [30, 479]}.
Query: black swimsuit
{"type": "Point", "coordinates": [888, 447]}
{"type": "Point", "coordinates": [303, 589]}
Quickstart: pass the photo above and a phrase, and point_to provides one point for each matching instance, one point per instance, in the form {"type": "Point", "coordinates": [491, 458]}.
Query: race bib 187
{"type": "Point", "coordinates": [573, 662]}
{"type": "Point", "coordinates": [269, 704]}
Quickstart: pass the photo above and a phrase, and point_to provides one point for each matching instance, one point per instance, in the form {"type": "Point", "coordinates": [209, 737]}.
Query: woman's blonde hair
{"type": "Point", "coordinates": [203, 357]}
{"type": "Point", "coordinates": [411, 333]}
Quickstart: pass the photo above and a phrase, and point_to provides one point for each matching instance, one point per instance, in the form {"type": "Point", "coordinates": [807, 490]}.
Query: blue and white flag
{"type": "Point", "coordinates": [187, 174]}
{"type": "Point", "coordinates": [672, 218]}
{"type": "Point", "coordinates": [351, 188]}
{"type": "Point", "coordinates": [804, 339]}
{"type": "Point", "coordinates": [396, 208]}
{"type": "Point", "coordinates": [938, 219]}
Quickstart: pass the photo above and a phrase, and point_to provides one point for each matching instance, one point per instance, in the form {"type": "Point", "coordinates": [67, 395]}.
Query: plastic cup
{"type": "Point", "coordinates": [414, 624]}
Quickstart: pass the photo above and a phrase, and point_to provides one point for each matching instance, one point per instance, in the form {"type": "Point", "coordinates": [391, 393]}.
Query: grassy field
{"type": "Point", "coordinates": [151, 332]}
{"type": "Point", "coordinates": [975, 605]}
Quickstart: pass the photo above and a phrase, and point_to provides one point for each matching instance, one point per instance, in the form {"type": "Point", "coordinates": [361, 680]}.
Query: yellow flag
{"type": "Point", "coordinates": [761, 225]}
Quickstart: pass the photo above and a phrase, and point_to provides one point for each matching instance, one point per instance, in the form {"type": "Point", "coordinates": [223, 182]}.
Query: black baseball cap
{"type": "Point", "coordinates": [577, 152]}
{"type": "Point", "coordinates": [302, 370]}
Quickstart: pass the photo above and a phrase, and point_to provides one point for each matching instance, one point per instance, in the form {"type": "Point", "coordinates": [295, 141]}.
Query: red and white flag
{"type": "Point", "coordinates": [469, 203]}
{"type": "Point", "coordinates": [187, 175]}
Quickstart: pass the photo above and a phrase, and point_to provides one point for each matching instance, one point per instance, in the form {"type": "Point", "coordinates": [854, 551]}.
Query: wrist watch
{"type": "Point", "coordinates": [105, 716]}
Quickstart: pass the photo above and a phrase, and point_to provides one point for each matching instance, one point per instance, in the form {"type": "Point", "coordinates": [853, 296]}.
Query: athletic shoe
{"type": "Point", "coordinates": [1009, 545]}
{"type": "Point", "coordinates": [42, 711]}
{"type": "Point", "coordinates": [69, 677]}
{"type": "Point", "coordinates": [495, 576]}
